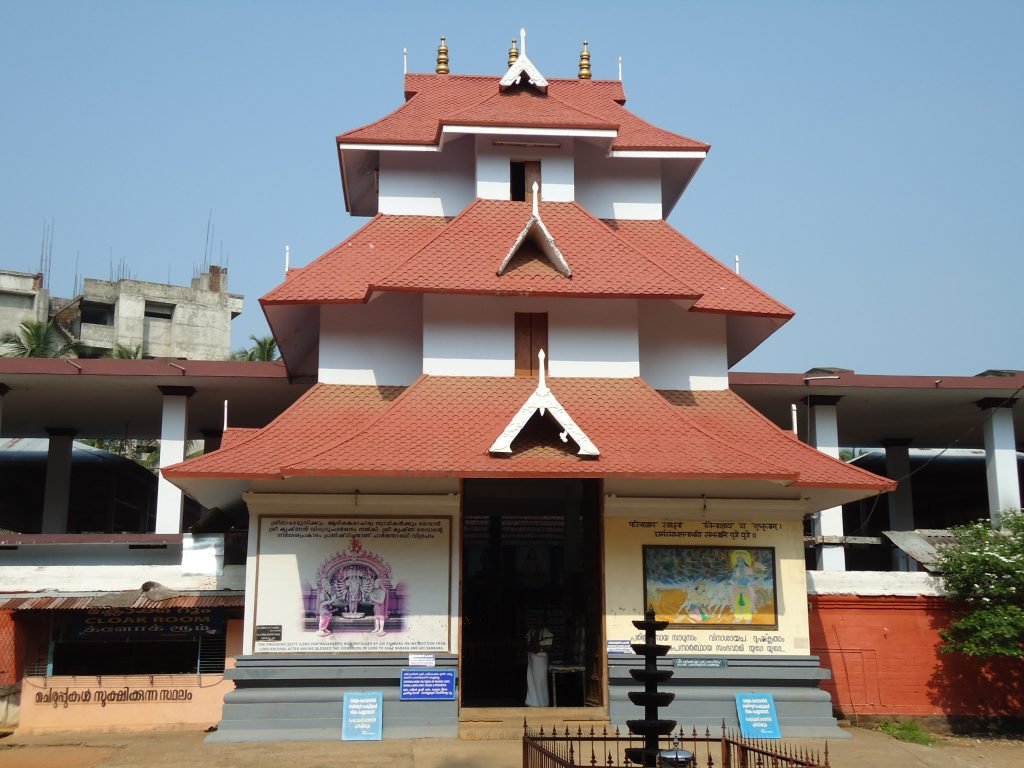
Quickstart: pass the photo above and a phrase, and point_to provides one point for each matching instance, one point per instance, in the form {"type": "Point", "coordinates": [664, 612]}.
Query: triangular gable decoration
{"type": "Point", "coordinates": [521, 67]}
{"type": "Point", "coordinates": [542, 400]}
{"type": "Point", "coordinates": [544, 239]}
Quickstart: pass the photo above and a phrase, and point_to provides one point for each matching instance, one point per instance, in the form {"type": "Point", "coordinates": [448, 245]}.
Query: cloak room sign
{"type": "Point", "coordinates": [143, 623]}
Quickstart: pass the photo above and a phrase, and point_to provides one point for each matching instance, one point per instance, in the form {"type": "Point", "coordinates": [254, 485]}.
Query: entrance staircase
{"type": "Point", "coordinates": [478, 723]}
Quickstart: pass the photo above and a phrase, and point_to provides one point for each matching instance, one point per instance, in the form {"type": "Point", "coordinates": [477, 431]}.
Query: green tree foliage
{"type": "Point", "coordinates": [984, 572]}
{"type": "Point", "coordinates": [263, 349]}
{"type": "Point", "coordinates": [37, 338]}
{"type": "Point", "coordinates": [125, 352]}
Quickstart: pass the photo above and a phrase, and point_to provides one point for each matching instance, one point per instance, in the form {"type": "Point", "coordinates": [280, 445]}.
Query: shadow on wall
{"type": "Point", "coordinates": [977, 694]}
{"type": "Point", "coordinates": [883, 652]}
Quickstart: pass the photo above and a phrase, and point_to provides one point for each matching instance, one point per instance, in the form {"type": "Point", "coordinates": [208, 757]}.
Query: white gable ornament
{"type": "Point", "coordinates": [542, 400]}
{"type": "Point", "coordinates": [544, 239]}
{"type": "Point", "coordinates": [523, 66]}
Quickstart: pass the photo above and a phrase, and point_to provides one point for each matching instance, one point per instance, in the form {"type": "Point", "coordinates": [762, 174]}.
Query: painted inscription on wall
{"type": "Point", "coordinates": [711, 531]}
{"type": "Point", "coordinates": [58, 697]}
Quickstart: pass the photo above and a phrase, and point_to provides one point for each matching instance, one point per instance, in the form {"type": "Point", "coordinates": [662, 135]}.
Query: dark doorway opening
{"type": "Point", "coordinates": [531, 547]}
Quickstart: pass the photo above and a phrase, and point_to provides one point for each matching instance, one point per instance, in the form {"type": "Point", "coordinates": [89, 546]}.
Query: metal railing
{"type": "Point", "coordinates": [607, 747]}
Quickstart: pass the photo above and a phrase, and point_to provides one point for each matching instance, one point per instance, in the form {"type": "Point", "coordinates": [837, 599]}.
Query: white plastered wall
{"type": "Point", "coordinates": [617, 188]}
{"type": "Point", "coordinates": [493, 171]}
{"type": "Point", "coordinates": [681, 349]}
{"type": "Point", "coordinates": [474, 336]}
{"type": "Point", "coordinates": [379, 343]}
{"type": "Point", "coordinates": [427, 183]}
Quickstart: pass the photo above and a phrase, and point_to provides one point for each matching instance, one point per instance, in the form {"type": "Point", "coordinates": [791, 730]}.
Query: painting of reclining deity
{"type": "Point", "coordinates": [695, 586]}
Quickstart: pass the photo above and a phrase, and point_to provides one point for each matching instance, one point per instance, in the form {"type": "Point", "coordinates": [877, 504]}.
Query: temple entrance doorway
{"type": "Point", "coordinates": [531, 552]}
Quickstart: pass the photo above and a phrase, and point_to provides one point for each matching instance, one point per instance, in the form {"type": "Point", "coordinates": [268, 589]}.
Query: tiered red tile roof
{"type": "Point", "coordinates": [444, 426]}
{"type": "Point", "coordinates": [614, 259]}
{"type": "Point", "coordinates": [721, 289]}
{"type": "Point", "coordinates": [433, 101]}
{"type": "Point", "coordinates": [466, 256]}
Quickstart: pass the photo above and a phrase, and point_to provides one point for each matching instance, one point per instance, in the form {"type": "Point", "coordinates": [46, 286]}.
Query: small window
{"type": "Point", "coordinates": [522, 175]}
{"type": "Point", "coordinates": [159, 311]}
{"type": "Point", "coordinates": [10, 300]}
{"type": "Point", "coordinates": [531, 337]}
{"type": "Point", "coordinates": [97, 313]}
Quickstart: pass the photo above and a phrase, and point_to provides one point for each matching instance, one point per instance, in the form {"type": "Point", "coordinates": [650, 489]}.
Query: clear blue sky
{"type": "Point", "coordinates": [866, 157]}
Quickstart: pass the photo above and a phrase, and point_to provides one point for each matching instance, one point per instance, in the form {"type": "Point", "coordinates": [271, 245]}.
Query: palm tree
{"type": "Point", "coordinates": [125, 352]}
{"type": "Point", "coordinates": [38, 338]}
{"type": "Point", "coordinates": [263, 349]}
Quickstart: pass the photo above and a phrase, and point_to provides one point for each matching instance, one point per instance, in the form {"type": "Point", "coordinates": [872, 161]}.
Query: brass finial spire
{"type": "Point", "coordinates": [513, 53]}
{"type": "Point", "coordinates": [442, 58]}
{"type": "Point", "coordinates": [584, 62]}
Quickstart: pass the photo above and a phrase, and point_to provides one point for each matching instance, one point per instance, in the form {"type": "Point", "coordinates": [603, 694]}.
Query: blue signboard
{"type": "Point", "coordinates": [428, 685]}
{"type": "Point", "coordinates": [757, 716]}
{"type": "Point", "coordinates": [362, 716]}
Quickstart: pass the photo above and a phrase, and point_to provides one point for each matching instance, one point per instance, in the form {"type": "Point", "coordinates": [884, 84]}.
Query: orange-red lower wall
{"type": "Point", "coordinates": [885, 660]}
{"type": "Point", "coordinates": [136, 702]}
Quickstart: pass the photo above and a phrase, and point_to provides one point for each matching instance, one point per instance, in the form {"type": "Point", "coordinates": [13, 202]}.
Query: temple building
{"type": "Point", "coordinates": [521, 417]}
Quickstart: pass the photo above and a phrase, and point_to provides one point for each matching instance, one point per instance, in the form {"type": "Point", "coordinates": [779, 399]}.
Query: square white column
{"type": "Point", "coordinates": [1000, 457]}
{"type": "Point", "coordinates": [173, 436]}
{"type": "Point", "coordinates": [824, 435]}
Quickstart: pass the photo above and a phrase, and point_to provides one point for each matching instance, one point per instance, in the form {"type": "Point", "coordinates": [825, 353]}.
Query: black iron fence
{"type": "Point", "coordinates": [607, 747]}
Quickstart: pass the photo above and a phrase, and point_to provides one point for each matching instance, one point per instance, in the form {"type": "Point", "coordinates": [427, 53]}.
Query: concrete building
{"type": "Point", "coordinates": [22, 297]}
{"type": "Point", "coordinates": [159, 319]}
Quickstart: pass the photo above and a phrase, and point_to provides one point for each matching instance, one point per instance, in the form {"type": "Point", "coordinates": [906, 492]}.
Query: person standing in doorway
{"type": "Point", "coordinates": [538, 642]}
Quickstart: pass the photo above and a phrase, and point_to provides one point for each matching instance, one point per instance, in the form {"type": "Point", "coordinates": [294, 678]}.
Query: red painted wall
{"type": "Point", "coordinates": [884, 657]}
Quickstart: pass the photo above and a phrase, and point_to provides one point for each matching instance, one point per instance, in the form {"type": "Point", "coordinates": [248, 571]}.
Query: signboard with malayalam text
{"type": "Point", "coordinates": [428, 685]}
{"type": "Point", "coordinates": [757, 716]}
{"type": "Point", "coordinates": [362, 716]}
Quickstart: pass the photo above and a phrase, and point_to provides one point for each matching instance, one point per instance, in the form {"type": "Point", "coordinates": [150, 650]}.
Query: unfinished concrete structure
{"type": "Point", "coordinates": [159, 319]}
{"type": "Point", "coordinates": [23, 296]}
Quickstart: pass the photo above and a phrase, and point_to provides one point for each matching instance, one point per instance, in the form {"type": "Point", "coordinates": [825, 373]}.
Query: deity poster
{"type": "Point", "coordinates": [353, 584]}
{"type": "Point", "coordinates": [697, 586]}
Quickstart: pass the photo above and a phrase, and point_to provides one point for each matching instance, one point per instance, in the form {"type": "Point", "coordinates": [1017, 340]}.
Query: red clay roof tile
{"type": "Point", "coordinates": [444, 426]}
{"type": "Point", "coordinates": [345, 272]}
{"type": "Point", "coordinates": [612, 258]}
{"type": "Point", "coordinates": [465, 257]}
{"type": "Point", "coordinates": [722, 290]}
{"type": "Point", "coordinates": [437, 100]}
{"type": "Point", "coordinates": [323, 415]}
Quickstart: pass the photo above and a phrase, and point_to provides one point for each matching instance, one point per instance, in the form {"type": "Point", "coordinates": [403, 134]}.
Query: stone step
{"type": "Point", "coordinates": [484, 723]}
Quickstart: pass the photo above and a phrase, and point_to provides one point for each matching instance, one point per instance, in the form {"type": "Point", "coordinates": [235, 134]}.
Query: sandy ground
{"type": "Point", "coordinates": [178, 749]}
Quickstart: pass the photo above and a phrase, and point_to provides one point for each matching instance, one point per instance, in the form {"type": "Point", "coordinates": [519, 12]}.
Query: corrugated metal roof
{"type": "Point", "coordinates": [85, 602]}
{"type": "Point", "coordinates": [922, 544]}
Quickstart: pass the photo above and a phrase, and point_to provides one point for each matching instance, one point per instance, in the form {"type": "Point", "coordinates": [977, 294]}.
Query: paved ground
{"type": "Point", "coordinates": [185, 749]}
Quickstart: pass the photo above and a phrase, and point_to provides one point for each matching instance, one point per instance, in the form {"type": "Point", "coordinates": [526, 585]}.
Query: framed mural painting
{"type": "Point", "coordinates": [714, 587]}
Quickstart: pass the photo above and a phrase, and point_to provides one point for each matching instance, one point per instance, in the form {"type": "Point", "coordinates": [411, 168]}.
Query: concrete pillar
{"type": "Point", "coordinates": [901, 501]}
{"type": "Point", "coordinates": [173, 435]}
{"type": "Point", "coordinates": [212, 439]}
{"type": "Point", "coordinates": [58, 480]}
{"type": "Point", "coordinates": [1000, 456]}
{"type": "Point", "coordinates": [824, 435]}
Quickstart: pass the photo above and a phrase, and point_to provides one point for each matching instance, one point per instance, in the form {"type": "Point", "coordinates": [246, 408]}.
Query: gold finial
{"type": "Point", "coordinates": [442, 58]}
{"type": "Point", "coordinates": [584, 62]}
{"type": "Point", "coordinates": [513, 53]}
